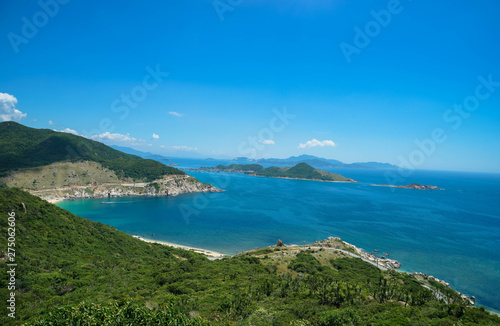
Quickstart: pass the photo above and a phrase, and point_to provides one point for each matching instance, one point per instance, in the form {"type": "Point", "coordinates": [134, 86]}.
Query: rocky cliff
{"type": "Point", "coordinates": [65, 180]}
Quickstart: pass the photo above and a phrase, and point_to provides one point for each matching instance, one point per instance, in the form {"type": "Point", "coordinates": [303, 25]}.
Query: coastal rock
{"type": "Point", "coordinates": [383, 262]}
{"type": "Point", "coordinates": [411, 186]}
{"type": "Point", "coordinates": [339, 244]}
{"type": "Point", "coordinates": [172, 185]}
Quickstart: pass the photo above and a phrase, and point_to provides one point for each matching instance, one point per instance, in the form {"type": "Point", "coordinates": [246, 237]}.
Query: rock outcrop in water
{"type": "Point", "coordinates": [411, 186]}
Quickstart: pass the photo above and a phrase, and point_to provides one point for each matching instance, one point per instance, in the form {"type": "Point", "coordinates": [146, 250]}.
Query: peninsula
{"type": "Point", "coordinates": [301, 171]}
{"type": "Point", "coordinates": [57, 166]}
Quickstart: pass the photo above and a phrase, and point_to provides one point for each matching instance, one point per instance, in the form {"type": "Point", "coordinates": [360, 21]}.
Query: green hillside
{"type": "Point", "coordinates": [24, 147]}
{"type": "Point", "coordinates": [73, 271]}
{"type": "Point", "coordinates": [241, 167]}
{"type": "Point", "coordinates": [302, 171]}
{"type": "Point", "coordinates": [299, 171]}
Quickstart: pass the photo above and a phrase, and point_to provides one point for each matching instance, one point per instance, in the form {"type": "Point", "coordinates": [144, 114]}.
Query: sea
{"type": "Point", "coordinates": [452, 233]}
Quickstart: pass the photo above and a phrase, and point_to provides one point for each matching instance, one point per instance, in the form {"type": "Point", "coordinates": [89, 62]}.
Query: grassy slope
{"type": "Point", "coordinates": [60, 174]}
{"type": "Point", "coordinates": [64, 260]}
{"type": "Point", "coordinates": [24, 147]}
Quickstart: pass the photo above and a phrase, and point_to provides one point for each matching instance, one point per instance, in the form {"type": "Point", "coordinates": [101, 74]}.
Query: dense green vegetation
{"type": "Point", "coordinates": [24, 147]}
{"type": "Point", "coordinates": [299, 171]}
{"type": "Point", "coordinates": [143, 169]}
{"type": "Point", "coordinates": [117, 314]}
{"type": "Point", "coordinates": [73, 270]}
{"type": "Point", "coordinates": [240, 167]}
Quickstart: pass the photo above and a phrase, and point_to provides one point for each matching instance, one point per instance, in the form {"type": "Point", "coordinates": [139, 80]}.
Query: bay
{"type": "Point", "coordinates": [452, 234]}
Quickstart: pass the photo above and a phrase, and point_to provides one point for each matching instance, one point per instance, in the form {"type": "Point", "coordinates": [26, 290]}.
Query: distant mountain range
{"type": "Point", "coordinates": [147, 155]}
{"type": "Point", "coordinates": [318, 162]}
{"type": "Point", "coordinates": [314, 161]}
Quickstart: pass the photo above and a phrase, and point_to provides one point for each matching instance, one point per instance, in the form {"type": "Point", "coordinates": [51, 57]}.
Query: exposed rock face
{"type": "Point", "coordinates": [468, 300]}
{"type": "Point", "coordinates": [419, 186]}
{"type": "Point", "coordinates": [86, 179]}
{"type": "Point", "coordinates": [385, 262]}
{"type": "Point", "coordinates": [337, 243]}
{"type": "Point", "coordinates": [170, 186]}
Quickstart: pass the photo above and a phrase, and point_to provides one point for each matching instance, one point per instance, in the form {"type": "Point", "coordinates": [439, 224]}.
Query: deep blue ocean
{"type": "Point", "coordinates": [452, 234]}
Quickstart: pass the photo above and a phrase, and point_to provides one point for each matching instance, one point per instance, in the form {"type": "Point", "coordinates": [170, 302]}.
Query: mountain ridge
{"type": "Point", "coordinates": [318, 162]}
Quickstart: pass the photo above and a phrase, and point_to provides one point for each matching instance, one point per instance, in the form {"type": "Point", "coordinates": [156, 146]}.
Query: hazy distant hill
{"type": "Point", "coordinates": [319, 162]}
{"type": "Point", "coordinates": [132, 151]}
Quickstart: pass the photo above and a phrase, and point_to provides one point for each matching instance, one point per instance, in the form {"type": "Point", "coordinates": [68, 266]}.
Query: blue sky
{"type": "Point", "coordinates": [206, 78]}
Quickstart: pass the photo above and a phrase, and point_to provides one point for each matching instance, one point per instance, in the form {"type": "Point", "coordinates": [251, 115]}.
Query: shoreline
{"type": "Point", "coordinates": [205, 252]}
{"type": "Point", "coordinates": [54, 199]}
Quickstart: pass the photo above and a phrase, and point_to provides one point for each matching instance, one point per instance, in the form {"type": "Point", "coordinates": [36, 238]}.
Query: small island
{"type": "Point", "coordinates": [411, 186]}
{"type": "Point", "coordinates": [301, 171]}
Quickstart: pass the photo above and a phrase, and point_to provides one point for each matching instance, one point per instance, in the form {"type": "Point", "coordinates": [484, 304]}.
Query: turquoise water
{"type": "Point", "coordinates": [453, 234]}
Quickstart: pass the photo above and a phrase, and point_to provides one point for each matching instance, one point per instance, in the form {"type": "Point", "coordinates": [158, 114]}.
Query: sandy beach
{"type": "Point", "coordinates": [198, 250]}
{"type": "Point", "coordinates": [53, 201]}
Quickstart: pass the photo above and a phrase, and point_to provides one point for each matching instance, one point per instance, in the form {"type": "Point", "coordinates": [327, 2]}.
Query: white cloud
{"type": "Point", "coordinates": [267, 142]}
{"type": "Point", "coordinates": [115, 137]}
{"type": "Point", "coordinates": [155, 136]}
{"type": "Point", "coordinates": [177, 114]}
{"type": "Point", "coordinates": [184, 148]}
{"type": "Point", "coordinates": [150, 144]}
{"type": "Point", "coordinates": [50, 122]}
{"type": "Point", "coordinates": [69, 131]}
{"type": "Point", "coordinates": [8, 111]}
{"type": "Point", "coordinates": [315, 142]}
{"type": "Point", "coordinates": [162, 146]}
